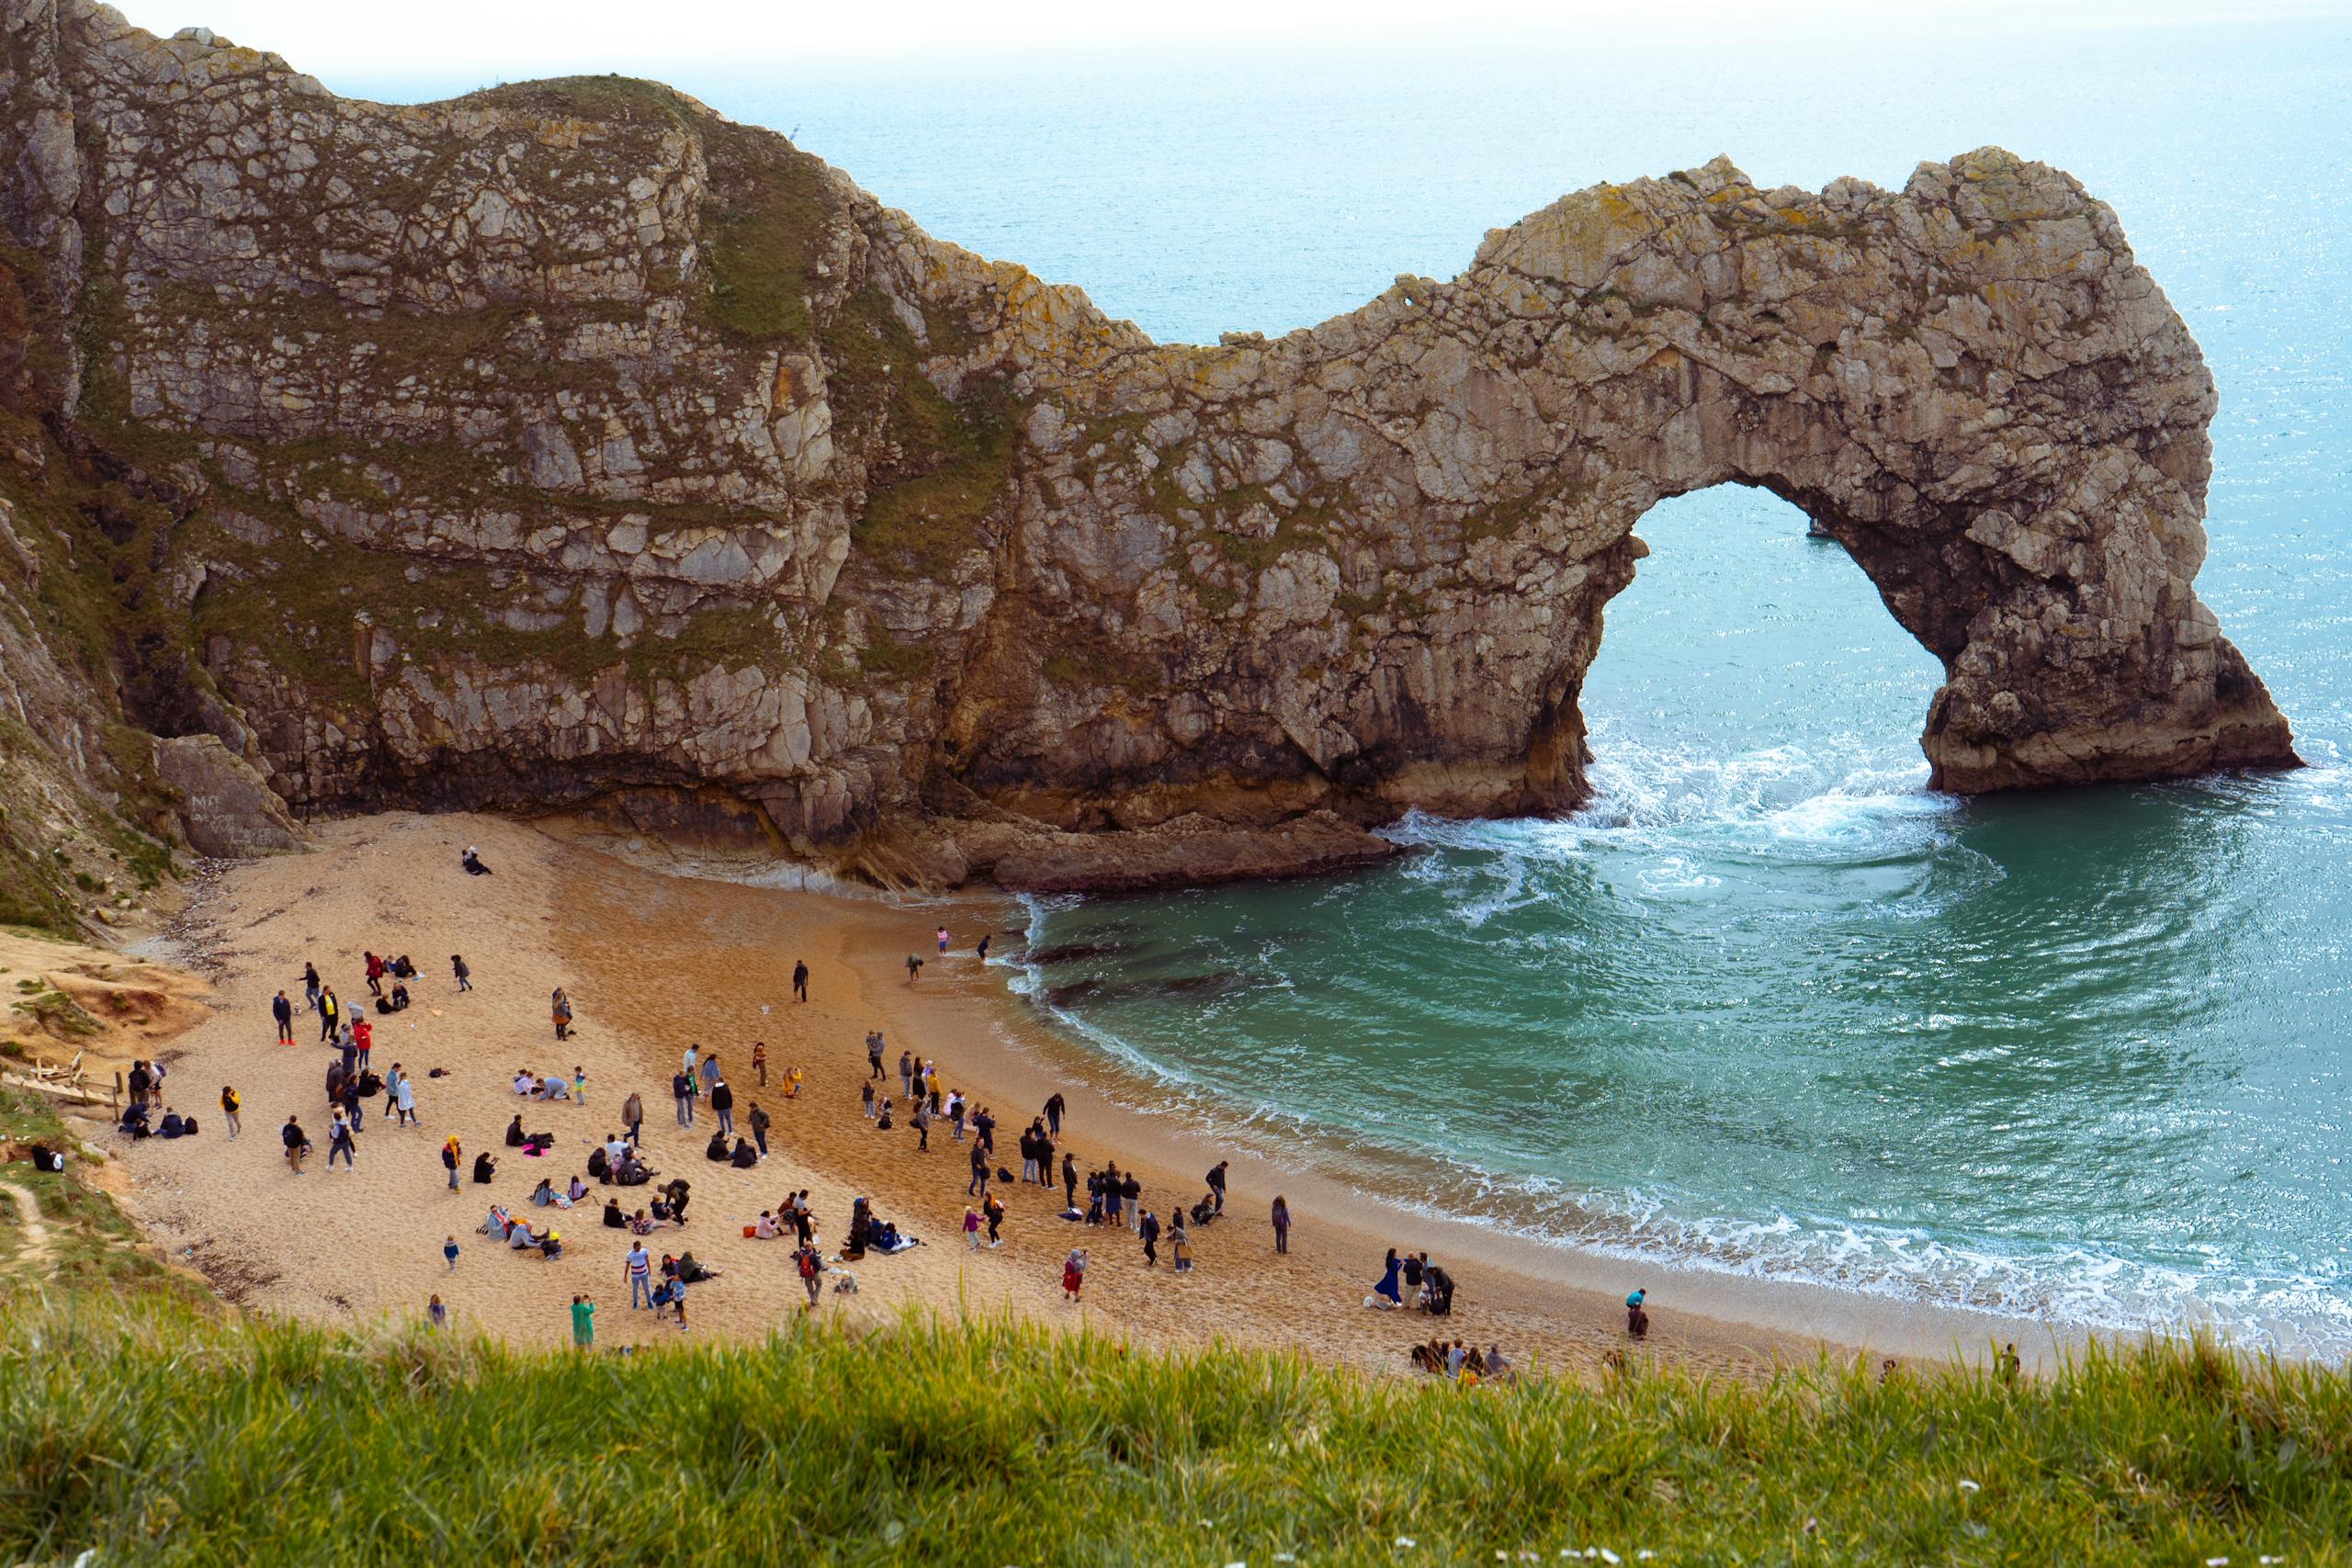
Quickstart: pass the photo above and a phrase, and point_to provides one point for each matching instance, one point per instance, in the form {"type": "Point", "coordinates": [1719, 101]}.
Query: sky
{"type": "Point", "coordinates": [491, 40]}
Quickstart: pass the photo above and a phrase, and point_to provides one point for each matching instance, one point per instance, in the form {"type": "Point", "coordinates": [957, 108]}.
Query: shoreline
{"type": "Point", "coordinates": [653, 961]}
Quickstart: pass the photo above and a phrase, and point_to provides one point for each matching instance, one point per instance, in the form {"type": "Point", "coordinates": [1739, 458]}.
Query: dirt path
{"type": "Point", "coordinates": [35, 1251]}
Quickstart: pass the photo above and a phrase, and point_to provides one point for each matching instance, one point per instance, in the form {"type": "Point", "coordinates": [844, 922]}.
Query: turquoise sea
{"type": "Point", "coordinates": [1769, 1006]}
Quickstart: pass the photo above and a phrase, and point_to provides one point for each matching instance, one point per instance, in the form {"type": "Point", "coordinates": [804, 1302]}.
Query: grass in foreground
{"type": "Point", "coordinates": [157, 1432]}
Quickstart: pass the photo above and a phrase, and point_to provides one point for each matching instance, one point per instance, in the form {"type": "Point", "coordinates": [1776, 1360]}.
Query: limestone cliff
{"type": "Point", "coordinates": [570, 445]}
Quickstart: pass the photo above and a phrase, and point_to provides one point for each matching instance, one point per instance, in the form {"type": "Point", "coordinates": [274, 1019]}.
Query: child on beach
{"type": "Point", "coordinates": [435, 1315]}
{"type": "Point", "coordinates": [1074, 1273]}
{"type": "Point", "coordinates": [449, 1251]}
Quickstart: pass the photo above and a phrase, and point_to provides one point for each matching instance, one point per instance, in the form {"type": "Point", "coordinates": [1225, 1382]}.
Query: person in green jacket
{"type": "Point", "coordinates": [583, 1324]}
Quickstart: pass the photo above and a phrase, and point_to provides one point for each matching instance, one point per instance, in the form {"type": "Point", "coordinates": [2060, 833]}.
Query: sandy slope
{"type": "Point", "coordinates": [654, 963]}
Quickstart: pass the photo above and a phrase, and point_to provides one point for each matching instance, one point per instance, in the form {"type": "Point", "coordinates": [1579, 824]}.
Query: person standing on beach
{"type": "Point", "coordinates": [760, 1061]}
{"type": "Point", "coordinates": [722, 1105]}
{"type": "Point", "coordinates": [465, 975]}
{"type": "Point", "coordinates": [450, 1253]}
{"type": "Point", "coordinates": [435, 1315]}
{"type": "Point", "coordinates": [560, 1008]}
{"type": "Point", "coordinates": [1216, 1184]}
{"type": "Point", "coordinates": [979, 1182]}
{"type": "Point", "coordinates": [906, 1075]}
{"type": "Point", "coordinates": [311, 985]}
{"type": "Point", "coordinates": [583, 1323]}
{"type": "Point", "coordinates": [633, 1116]}
{"type": "Point", "coordinates": [1387, 1290]}
{"type": "Point", "coordinates": [1070, 1180]}
{"type": "Point", "coordinates": [363, 1040]}
{"type": "Point", "coordinates": [759, 1124]}
{"type": "Point", "coordinates": [874, 1053]}
{"type": "Point", "coordinates": [993, 1207]}
{"type": "Point", "coordinates": [1147, 1227]}
{"type": "Point", "coordinates": [283, 1011]}
{"type": "Point", "coordinates": [229, 1106]}
{"type": "Point", "coordinates": [1282, 1223]}
{"type": "Point", "coordinates": [983, 949]}
{"type": "Point", "coordinates": [682, 1088]}
{"type": "Point", "coordinates": [809, 1266]}
{"type": "Point", "coordinates": [339, 1141]}
{"type": "Point", "coordinates": [710, 1072]}
{"type": "Point", "coordinates": [914, 967]}
{"type": "Point", "coordinates": [971, 1228]}
{"type": "Point", "coordinates": [799, 980]}
{"type": "Point", "coordinates": [1054, 1108]}
{"type": "Point", "coordinates": [921, 1121]}
{"type": "Point", "coordinates": [637, 1269]}
{"type": "Point", "coordinates": [1074, 1273]}
{"type": "Point", "coordinates": [453, 1156]}
{"type": "Point", "coordinates": [330, 1011]}
{"type": "Point", "coordinates": [297, 1144]}
{"type": "Point", "coordinates": [942, 939]}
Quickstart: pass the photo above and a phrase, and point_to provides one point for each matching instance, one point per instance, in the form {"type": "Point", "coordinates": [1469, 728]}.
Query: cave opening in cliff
{"type": "Point", "coordinates": [1750, 667]}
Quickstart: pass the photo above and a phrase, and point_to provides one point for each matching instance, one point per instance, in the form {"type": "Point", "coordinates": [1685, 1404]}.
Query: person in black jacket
{"type": "Point", "coordinates": [283, 1011]}
{"type": "Point", "coordinates": [716, 1150]}
{"type": "Point", "coordinates": [722, 1102]}
{"type": "Point", "coordinates": [1147, 1227]}
{"type": "Point", "coordinates": [484, 1169]}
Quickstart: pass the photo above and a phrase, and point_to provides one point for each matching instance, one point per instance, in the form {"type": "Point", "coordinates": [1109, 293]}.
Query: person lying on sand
{"type": "Point", "coordinates": [471, 860]}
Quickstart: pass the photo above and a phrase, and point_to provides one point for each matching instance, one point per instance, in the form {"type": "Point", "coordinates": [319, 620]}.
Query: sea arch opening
{"type": "Point", "coordinates": [1749, 666]}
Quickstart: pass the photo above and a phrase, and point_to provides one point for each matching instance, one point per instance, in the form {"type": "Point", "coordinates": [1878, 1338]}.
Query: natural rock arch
{"type": "Point", "coordinates": [569, 444]}
{"type": "Point", "coordinates": [1969, 384]}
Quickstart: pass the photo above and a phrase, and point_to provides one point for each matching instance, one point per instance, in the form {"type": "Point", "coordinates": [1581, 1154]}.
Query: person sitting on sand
{"type": "Point", "coordinates": [692, 1270]}
{"type": "Point", "coordinates": [746, 1157]}
{"type": "Point", "coordinates": [614, 1219]}
{"type": "Point", "coordinates": [543, 1194]}
{"type": "Point", "coordinates": [516, 1136]}
{"type": "Point", "coordinates": [171, 1127]}
{"type": "Point", "coordinates": [600, 1165]}
{"type": "Point", "coordinates": [716, 1150]}
{"type": "Point", "coordinates": [471, 860]}
{"type": "Point", "coordinates": [575, 1189]}
{"type": "Point", "coordinates": [520, 1236]}
{"type": "Point", "coordinates": [765, 1228]}
{"type": "Point", "coordinates": [484, 1169]}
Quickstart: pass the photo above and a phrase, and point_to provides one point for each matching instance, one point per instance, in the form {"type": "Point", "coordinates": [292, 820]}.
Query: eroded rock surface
{"type": "Point", "coordinates": [569, 444]}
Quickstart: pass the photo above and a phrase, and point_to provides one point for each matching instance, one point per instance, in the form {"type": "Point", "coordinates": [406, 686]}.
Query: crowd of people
{"type": "Point", "coordinates": [911, 1101]}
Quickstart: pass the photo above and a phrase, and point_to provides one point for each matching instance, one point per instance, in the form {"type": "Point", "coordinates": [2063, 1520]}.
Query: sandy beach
{"type": "Point", "coordinates": [654, 963]}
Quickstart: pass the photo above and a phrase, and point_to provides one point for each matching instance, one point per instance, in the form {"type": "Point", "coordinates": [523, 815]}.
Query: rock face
{"type": "Point", "coordinates": [228, 810]}
{"type": "Point", "coordinates": [570, 445]}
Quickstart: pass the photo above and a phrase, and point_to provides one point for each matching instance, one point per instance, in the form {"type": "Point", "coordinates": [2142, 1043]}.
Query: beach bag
{"type": "Point", "coordinates": [751, 1232]}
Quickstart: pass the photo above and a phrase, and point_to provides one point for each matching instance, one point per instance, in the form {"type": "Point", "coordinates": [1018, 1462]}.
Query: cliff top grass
{"type": "Point", "coordinates": [149, 1425]}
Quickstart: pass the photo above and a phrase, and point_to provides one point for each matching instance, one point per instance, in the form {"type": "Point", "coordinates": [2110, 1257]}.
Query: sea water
{"type": "Point", "coordinates": [1769, 1006]}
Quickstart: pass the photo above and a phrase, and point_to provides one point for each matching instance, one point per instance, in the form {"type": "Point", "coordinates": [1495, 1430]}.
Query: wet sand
{"type": "Point", "coordinates": [654, 963]}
